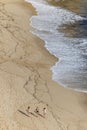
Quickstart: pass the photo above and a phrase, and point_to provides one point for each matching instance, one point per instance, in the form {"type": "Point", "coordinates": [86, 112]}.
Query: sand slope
{"type": "Point", "coordinates": [25, 78]}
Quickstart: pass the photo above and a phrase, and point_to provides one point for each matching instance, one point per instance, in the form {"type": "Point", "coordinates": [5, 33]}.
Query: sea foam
{"type": "Point", "coordinates": [71, 69]}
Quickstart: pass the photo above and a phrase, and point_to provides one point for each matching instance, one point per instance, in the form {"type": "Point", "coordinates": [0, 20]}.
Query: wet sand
{"type": "Point", "coordinates": [75, 6]}
{"type": "Point", "coordinates": [26, 79]}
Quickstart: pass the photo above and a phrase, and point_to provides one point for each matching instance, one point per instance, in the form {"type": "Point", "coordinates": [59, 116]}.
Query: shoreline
{"type": "Point", "coordinates": [46, 29]}
{"type": "Point", "coordinates": [25, 78]}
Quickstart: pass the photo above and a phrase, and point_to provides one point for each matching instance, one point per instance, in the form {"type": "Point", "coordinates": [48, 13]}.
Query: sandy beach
{"type": "Point", "coordinates": [26, 79]}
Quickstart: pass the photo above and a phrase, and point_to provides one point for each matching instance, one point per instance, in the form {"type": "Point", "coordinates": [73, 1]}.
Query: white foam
{"type": "Point", "coordinates": [69, 70]}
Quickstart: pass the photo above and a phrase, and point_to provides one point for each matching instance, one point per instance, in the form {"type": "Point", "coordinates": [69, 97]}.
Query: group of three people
{"type": "Point", "coordinates": [37, 111]}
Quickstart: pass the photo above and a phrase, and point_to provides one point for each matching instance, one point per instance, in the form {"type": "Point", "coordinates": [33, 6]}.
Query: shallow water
{"type": "Point", "coordinates": [63, 27]}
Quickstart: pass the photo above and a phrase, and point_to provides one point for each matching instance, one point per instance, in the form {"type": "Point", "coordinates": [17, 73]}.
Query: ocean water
{"type": "Point", "coordinates": [63, 27]}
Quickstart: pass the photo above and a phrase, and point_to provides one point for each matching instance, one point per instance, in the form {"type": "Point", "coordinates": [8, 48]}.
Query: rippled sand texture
{"type": "Point", "coordinates": [25, 78]}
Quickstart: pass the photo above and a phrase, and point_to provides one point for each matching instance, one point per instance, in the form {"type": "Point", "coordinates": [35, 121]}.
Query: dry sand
{"type": "Point", "coordinates": [26, 80]}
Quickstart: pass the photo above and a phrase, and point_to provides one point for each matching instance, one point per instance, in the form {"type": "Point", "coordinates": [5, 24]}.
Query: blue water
{"type": "Point", "coordinates": [65, 35]}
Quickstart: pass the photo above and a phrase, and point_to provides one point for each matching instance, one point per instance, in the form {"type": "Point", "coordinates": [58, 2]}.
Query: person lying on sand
{"type": "Point", "coordinates": [28, 110]}
{"type": "Point", "coordinates": [37, 110]}
{"type": "Point", "coordinates": [44, 111]}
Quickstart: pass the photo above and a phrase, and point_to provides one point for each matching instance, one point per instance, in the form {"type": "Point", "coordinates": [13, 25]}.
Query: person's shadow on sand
{"type": "Point", "coordinates": [27, 114]}
{"type": "Point", "coordinates": [39, 114]}
{"type": "Point", "coordinates": [23, 113]}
